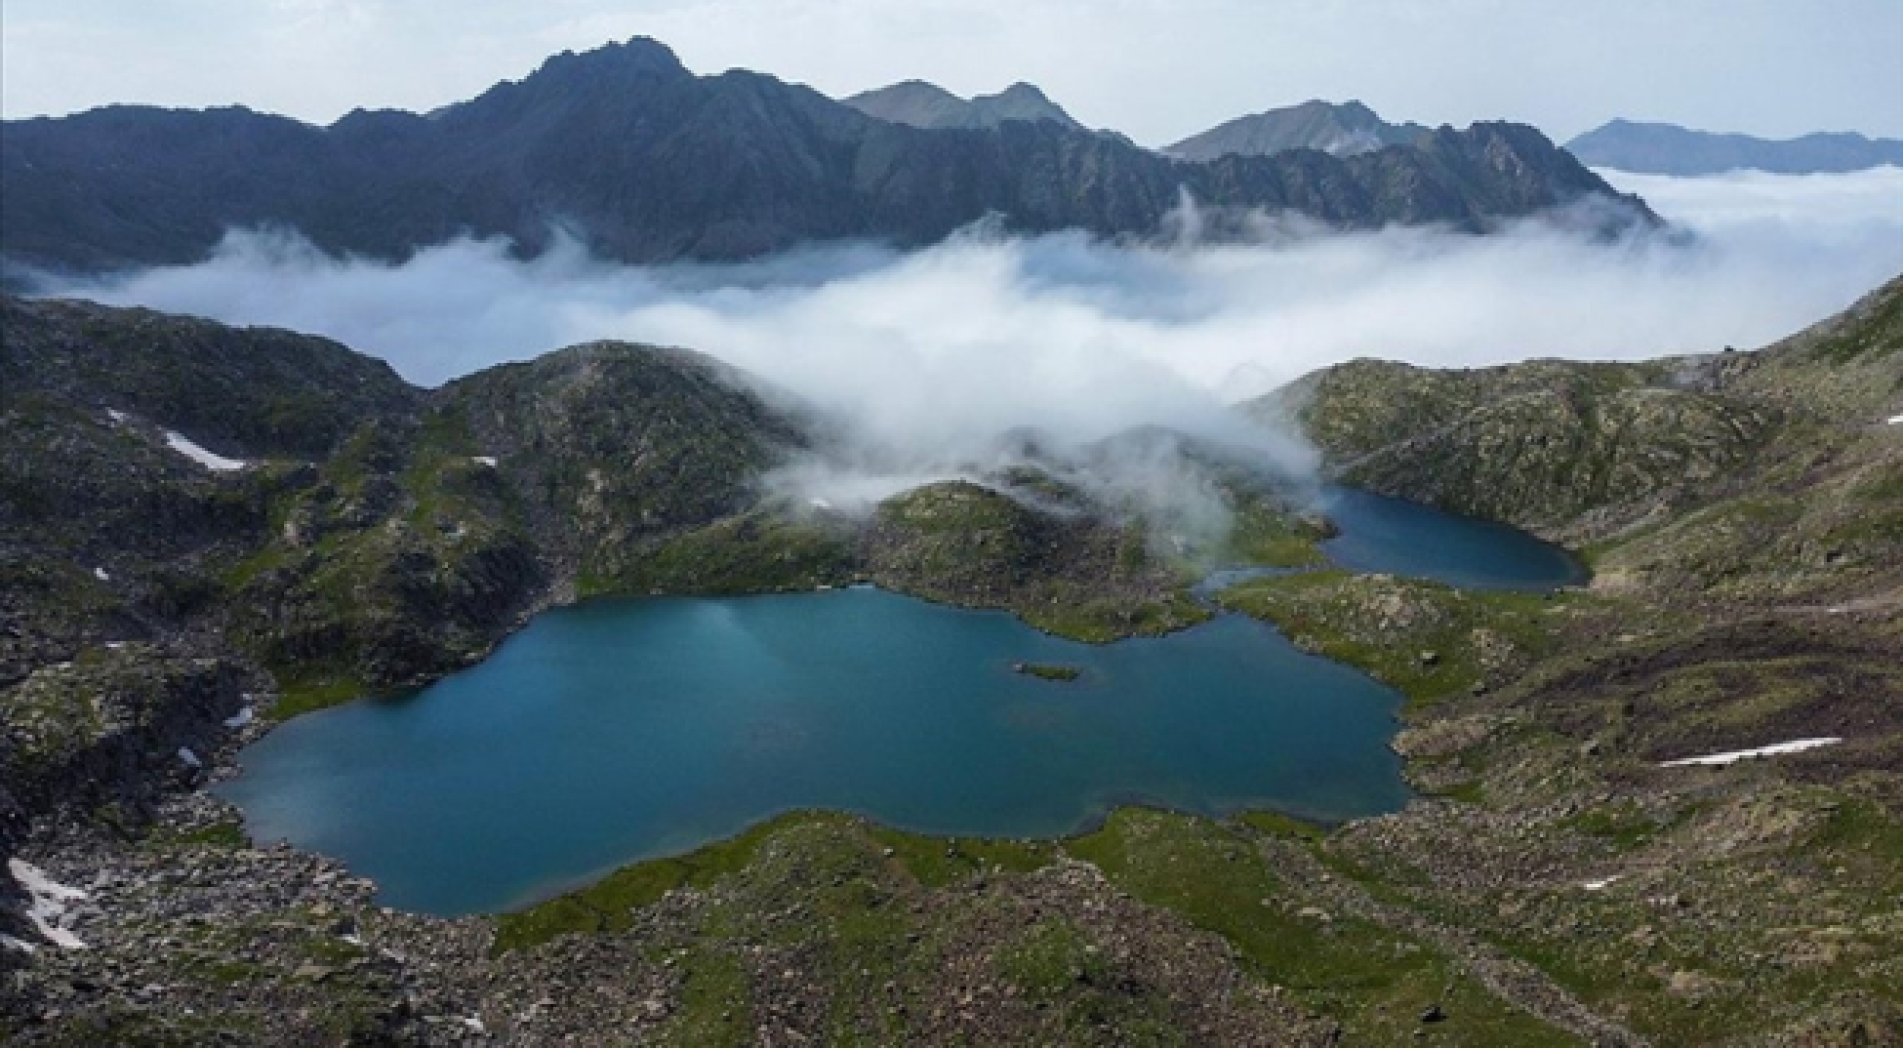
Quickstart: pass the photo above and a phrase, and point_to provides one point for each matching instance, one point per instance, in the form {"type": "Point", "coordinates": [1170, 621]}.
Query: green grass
{"type": "Point", "coordinates": [1265, 535]}
{"type": "Point", "coordinates": [300, 696]}
{"type": "Point", "coordinates": [1048, 958]}
{"type": "Point", "coordinates": [1276, 824]}
{"type": "Point", "coordinates": [1054, 965]}
{"type": "Point", "coordinates": [849, 882]}
{"type": "Point", "coordinates": [227, 834]}
{"type": "Point", "coordinates": [1419, 637]}
{"type": "Point", "coordinates": [1880, 335]}
{"type": "Point", "coordinates": [241, 574]}
{"type": "Point", "coordinates": [1373, 980]}
{"type": "Point", "coordinates": [761, 552]}
{"type": "Point", "coordinates": [936, 862]}
{"type": "Point", "coordinates": [1624, 826]}
{"type": "Point", "coordinates": [715, 1001]}
{"type": "Point", "coordinates": [1867, 843]}
{"type": "Point", "coordinates": [605, 906]}
{"type": "Point", "coordinates": [1070, 611]}
{"type": "Point", "coordinates": [1470, 792]}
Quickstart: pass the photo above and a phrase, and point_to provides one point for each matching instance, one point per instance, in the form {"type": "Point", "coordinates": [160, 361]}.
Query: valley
{"type": "Point", "coordinates": [1553, 880]}
{"type": "Point", "coordinates": [507, 539]}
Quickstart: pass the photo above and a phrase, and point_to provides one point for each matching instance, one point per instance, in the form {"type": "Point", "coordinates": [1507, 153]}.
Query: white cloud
{"type": "Point", "coordinates": [933, 353]}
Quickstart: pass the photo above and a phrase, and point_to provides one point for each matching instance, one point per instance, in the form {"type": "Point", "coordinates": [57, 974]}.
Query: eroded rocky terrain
{"type": "Point", "coordinates": [1556, 881]}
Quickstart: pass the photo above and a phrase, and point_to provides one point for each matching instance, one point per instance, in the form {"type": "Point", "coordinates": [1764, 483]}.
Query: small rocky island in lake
{"type": "Point", "coordinates": [1046, 671]}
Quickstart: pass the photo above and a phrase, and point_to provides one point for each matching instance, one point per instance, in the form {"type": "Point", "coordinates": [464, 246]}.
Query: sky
{"type": "Point", "coordinates": [1158, 70]}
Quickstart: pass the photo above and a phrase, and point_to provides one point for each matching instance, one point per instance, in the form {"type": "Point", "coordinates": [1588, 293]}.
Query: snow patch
{"type": "Point", "coordinates": [1794, 746]}
{"type": "Point", "coordinates": [242, 717]}
{"type": "Point", "coordinates": [10, 943]}
{"type": "Point", "coordinates": [1600, 884]}
{"type": "Point", "coordinates": [100, 574]}
{"type": "Point", "coordinates": [1896, 420]}
{"type": "Point", "coordinates": [474, 1023]}
{"type": "Point", "coordinates": [183, 445]}
{"type": "Point", "coordinates": [48, 908]}
{"type": "Point", "coordinates": [191, 759]}
{"type": "Point", "coordinates": [118, 417]}
{"type": "Point", "coordinates": [485, 460]}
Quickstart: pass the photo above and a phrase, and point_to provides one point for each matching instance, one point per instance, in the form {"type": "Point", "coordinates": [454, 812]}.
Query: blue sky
{"type": "Point", "coordinates": [1156, 69]}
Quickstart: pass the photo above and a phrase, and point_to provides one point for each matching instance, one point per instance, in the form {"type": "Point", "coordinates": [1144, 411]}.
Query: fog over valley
{"type": "Point", "coordinates": [928, 356]}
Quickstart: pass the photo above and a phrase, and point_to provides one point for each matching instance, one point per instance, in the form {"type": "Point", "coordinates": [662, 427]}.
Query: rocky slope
{"type": "Point", "coordinates": [916, 103]}
{"type": "Point", "coordinates": [1747, 538]}
{"type": "Point", "coordinates": [643, 161]}
{"type": "Point", "coordinates": [1556, 882]}
{"type": "Point", "coordinates": [1348, 129]}
{"type": "Point", "coordinates": [272, 512]}
{"type": "Point", "coordinates": [1730, 446]}
{"type": "Point", "coordinates": [1667, 149]}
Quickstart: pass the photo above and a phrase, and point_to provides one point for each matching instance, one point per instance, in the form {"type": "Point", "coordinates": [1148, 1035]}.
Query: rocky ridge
{"type": "Point", "coordinates": [625, 150]}
{"type": "Point", "coordinates": [916, 103]}
{"type": "Point", "coordinates": [1667, 149]}
{"type": "Point", "coordinates": [1348, 129]}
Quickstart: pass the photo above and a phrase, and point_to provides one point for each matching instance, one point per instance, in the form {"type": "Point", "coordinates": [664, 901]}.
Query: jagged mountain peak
{"type": "Point", "coordinates": [918, 103]}
{"type": "Point", "coordinates": [1339, 129]}
{"type": "Point", "coordinates": [1023, 89]}
{"type": "Point", "coordinates": [613, 66]}
{"type": "Point", "coordinates": [637, 54]}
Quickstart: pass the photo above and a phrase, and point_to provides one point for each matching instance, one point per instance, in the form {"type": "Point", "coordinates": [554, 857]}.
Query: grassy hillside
{"type": "Point", "coordinates": [1555, 882]}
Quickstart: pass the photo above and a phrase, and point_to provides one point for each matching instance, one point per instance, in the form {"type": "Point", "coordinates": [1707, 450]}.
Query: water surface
{"type": "Point", "coordinates": [1380, 534]}
{"type": "Point", "coordinates": [624, 729]}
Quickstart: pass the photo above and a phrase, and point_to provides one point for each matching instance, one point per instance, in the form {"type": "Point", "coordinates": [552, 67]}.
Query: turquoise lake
{"type": "Point", "coordinates": [624, 729]}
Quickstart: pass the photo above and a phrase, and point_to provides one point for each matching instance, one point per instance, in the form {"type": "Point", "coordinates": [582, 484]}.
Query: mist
{"type": "Point", "coordinates": [924, 357]}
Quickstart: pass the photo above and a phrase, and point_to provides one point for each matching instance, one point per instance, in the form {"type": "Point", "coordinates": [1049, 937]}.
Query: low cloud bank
{"type": "Point", "coordinates": [929, 355]}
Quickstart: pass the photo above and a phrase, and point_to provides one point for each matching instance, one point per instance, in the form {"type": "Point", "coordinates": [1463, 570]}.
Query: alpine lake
{"type": "Point", "coordinates": [624, 729]}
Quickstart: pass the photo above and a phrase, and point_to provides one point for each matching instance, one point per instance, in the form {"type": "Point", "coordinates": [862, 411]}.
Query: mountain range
{"type": "Point", "coordinates": [643, 161]}
{"type": "Point", "coordinates": [1667, 149]}
{"type": "Point", "coordinates": [1348, 129]}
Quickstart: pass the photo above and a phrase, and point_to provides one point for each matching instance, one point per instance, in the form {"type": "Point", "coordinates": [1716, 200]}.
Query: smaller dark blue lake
{"type": "Point", "coordinates": [625, 729]}
{"type": "Point", "coordinates": [1380, 534]}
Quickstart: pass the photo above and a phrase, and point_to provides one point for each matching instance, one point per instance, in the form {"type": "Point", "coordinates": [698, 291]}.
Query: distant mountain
{"type": "Point", "coordinates": [1348, 129]}
{"type": "Point", "coordinates": [1667, 149]}
{"type": "Point", "coordinates": [916, 103]}
{"type": "Point", "coordinates": [644, 161]}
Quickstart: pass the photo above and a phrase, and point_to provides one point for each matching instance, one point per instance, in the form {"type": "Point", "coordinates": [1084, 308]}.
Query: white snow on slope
{"type": "Point", "coordinates": [100, 574]}
{"type": "Point", "coordinates": [181, 444]}
{"type": "Point", "coordinates": [242, 717]}
{"type": "Point", "coordinates": [1794, 746]}
{"type": "Point", "coordinates": [48, 909]}
{"type": "Point", "coordinates": [485, 460]}
{"type": "Point", "coordinates": [1896, 420]}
